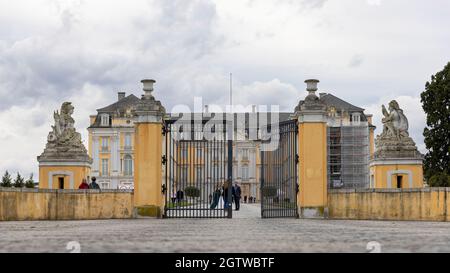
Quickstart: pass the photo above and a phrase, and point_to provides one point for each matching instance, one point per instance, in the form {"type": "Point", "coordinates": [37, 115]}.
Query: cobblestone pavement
{"type": "Point", "coordinates": [244, 233]}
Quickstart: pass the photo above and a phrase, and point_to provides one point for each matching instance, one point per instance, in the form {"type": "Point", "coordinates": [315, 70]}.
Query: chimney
{"type": "Point", "coordinates": [121, 95]}
{"type": "Point", "coordinates": [148, 87]}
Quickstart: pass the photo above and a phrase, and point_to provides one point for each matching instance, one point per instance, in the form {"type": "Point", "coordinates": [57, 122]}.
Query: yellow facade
{"type": "Point", "coordinates": [313, 166]}
{"type": "Point", "coordinates": [62, 177]}
{"type": "Point", "coordinates": [394, 176]}
{"type": "Point", "coordinates": [148, 165]}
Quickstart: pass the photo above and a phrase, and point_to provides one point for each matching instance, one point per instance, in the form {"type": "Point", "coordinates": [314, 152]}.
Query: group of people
{"type": "Point", "coordinates": [250, 199]}
{"type": "Point", "coordinates": [89, 186]}
{"type": "Point", "coordinates": [224, 193]}
{"type": "Point", "coordinates": [177, 197]}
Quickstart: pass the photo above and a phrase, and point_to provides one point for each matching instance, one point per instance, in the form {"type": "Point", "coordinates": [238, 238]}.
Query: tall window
{"type": "Point", "coordinates": [104, 120]}
{"type": "Point", "coordinates": [199, 152]}
{"type": "Point", "coordinates": [216, 154]}
{"type": "Point", "coordinates": [105, 167]}
{"type": "Point", "coordinates": [356, 118]}
{"type": "Point", "coordinates": [127, 141]}
{"type": "Point", "coordinates": [105, 144]}
{"type": "Point", "coordinates": [184, 153]}
{"type": "Point", "coordinates": [245, 173]}
{"type": "Point", "coordinates": [199, 174]}
{"type": "Point", "coordinates": [244, 154]}
{"type": "Point", "coordinates": [184, 174]}
{"type": "Point", "coordinates": [128, 165]}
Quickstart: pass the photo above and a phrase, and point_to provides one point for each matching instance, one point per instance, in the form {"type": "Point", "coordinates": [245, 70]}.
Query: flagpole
{"type": "Point", "coordinates": [231, 92]}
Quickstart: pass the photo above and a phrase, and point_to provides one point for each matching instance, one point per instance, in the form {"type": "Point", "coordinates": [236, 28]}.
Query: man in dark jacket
{"type": "Point", "coordinates": [94, 185]}
{"type": "Point", "coordinates": [225, 195]}
{"type": "Point", "coordinates": [180, 196]}
{"type": "Point", "coordinates": [237, 196]}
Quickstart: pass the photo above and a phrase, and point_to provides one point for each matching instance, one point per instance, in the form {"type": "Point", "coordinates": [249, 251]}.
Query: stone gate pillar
{"type": "Point", "coordinates": [312, 150]}
{"type": "Point", "coordinates": [148, 195]}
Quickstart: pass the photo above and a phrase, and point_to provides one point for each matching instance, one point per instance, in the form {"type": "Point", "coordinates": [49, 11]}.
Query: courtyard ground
{"type": "Point", "coordinates": [246, 232]}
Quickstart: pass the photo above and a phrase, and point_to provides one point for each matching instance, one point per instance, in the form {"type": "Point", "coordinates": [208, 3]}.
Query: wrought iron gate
{"type": "Point", "coordinates": [279, 161]}
{"type": "Point", "coordinates": [198, 169]}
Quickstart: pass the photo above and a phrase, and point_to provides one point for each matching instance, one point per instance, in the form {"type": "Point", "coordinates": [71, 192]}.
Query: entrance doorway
{"type": "Point", "coordinates": [61, 183]}
{"type": "Point", "coordinates": [399, 181]}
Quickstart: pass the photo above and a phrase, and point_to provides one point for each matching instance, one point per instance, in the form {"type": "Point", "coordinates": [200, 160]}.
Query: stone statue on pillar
{"type": "Point", "coordinates": [395, 122]}
{"type": "Point", "coordinates": [64, 141]}
{"type": "Point", "coordinates": [394, 141]}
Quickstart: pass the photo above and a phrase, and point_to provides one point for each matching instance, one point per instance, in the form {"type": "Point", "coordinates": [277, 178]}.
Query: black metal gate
{"type": "Point", "coordinates": [198, 169]}
{"type": "Point", "coordinates": [279, 161]}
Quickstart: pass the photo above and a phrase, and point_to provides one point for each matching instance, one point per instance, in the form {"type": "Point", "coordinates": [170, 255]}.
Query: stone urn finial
{"type": "Point", "coordinates": [311, 87]}
{"type": "Point", "coordinates": [148, 87]}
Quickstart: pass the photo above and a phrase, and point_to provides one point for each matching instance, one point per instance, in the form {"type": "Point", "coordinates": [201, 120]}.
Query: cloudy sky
{"type": "Point", "coordinates": [367, 52]}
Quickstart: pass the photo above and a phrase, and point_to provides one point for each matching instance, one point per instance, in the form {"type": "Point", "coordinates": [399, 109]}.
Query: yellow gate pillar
{"type": "Point", "coordinates": [312, 150]}
{"type": "Point", "coordinates": [148, 195]}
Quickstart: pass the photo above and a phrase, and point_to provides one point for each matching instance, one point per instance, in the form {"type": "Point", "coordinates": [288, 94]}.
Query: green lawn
{"type": "Point", "coordinates": [177, 205]}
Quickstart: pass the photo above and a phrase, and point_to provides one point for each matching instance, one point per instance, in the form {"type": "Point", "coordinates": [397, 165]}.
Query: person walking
{"type": "Point", "coordinates": [84, 185]}
{"type": "Point", "coordinates": [215, 198]}
{"type": "Point", "coordinates": [173, 197]}
{"type": "Point", "coordinates": [94, 185]}
{"type": "Point", "coordinates": [225, 194]}
{"type": "Point", "coordinates": [237, 196]}
{"type": "Point", "coordinates": [180, 196]}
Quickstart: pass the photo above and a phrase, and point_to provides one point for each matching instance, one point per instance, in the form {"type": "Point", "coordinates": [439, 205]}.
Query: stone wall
{"type": "Point", "coordinates": [33, 204]}
{"type": "Point", "coordinates": [429, 204]}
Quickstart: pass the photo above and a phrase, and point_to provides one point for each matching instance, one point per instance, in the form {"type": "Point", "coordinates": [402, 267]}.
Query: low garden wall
{"type": "Point", "coordinates": [34, 204]}
{"type": "Point", "coordinates": [429, 204]}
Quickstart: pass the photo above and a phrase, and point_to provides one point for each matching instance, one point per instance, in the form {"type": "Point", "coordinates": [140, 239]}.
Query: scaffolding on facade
{"type": "Point", "coordinates": [348, 156]}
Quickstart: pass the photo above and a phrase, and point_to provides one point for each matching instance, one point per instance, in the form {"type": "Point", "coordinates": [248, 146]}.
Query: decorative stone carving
{"type": "Point", "coordinates": [64, 142]}
{"type": "Point", "coordinates": [312, 101]}
{"type": "Point", "coordinates": [149, 109]}
{"type": "Point", "coordinates": [394, 141]}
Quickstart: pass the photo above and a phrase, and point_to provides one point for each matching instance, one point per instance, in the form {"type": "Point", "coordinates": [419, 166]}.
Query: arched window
{"type": "Point", "coordinates": [128, 165]}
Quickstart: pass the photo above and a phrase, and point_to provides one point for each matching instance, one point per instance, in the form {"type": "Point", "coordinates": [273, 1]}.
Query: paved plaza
{"type": "Point", "coordinates": [246, 232]}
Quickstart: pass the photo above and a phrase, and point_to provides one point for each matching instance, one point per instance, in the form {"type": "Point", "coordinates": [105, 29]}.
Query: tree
{"type": "Point", "coordinates": [439, 180]}
{"type": "Point", "coordinates": [19, 182]}
{"type": "Point", "coordinates": [436, 104]}
{"type": "Point", "coordinates": [6, 180]}
{"type": "Point", "coordinates": [30, 182]}
{"type": "Point", "coordinates": [192, 192]}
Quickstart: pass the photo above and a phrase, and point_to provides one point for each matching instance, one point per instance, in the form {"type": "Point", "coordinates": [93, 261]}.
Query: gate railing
{"type": "Point", "coordinates": [279, 185]}
{"type": "Point", "coordinates": [198, 169]}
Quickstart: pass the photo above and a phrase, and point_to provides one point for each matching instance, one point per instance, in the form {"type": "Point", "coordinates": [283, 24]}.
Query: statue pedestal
{"type": "Point", "coordinates": [63, 170]}
{"type": "Point", "coordinates": [63, 175]}
{"type": "Point", "coordinates": [396, 164]}
{"type": "Point", "coordinates": [396, 173]}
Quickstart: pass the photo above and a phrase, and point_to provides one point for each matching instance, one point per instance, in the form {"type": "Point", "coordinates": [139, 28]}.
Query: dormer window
{"type": "Point", "coordinates": [104, 120]}
{"type": "Point", "coordinates": [356, 118]}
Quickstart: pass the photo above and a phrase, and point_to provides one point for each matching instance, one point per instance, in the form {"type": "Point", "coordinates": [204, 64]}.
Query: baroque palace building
{"type": "Point", "coordinates": [350, 145]}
